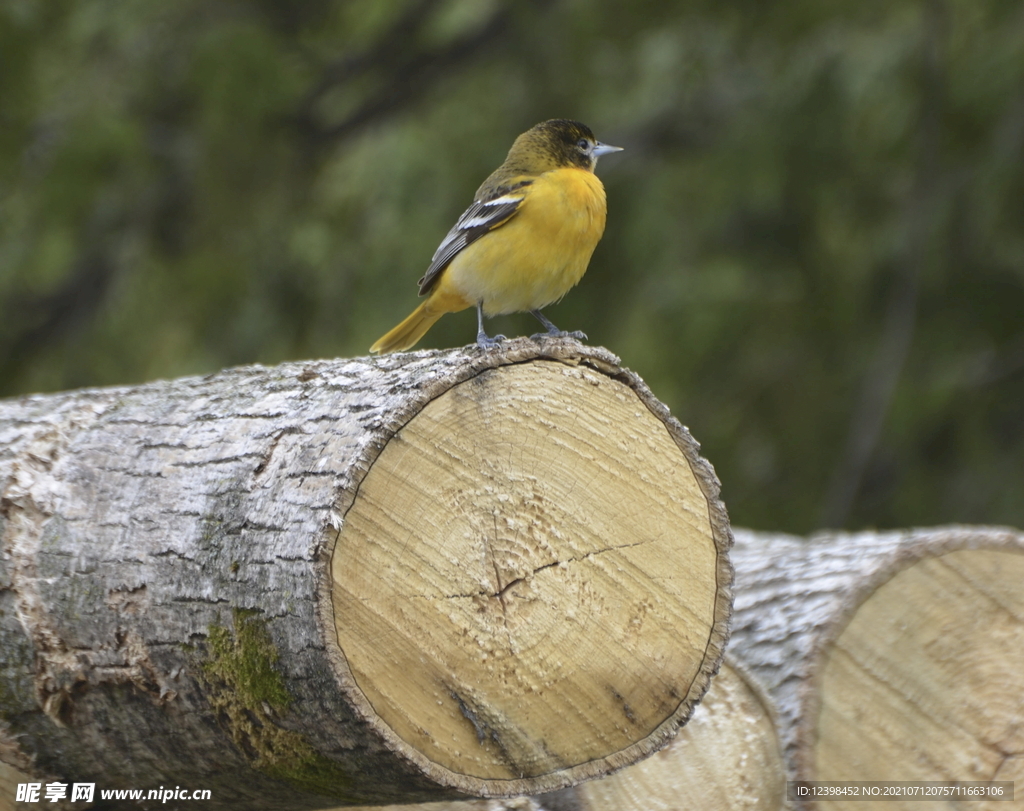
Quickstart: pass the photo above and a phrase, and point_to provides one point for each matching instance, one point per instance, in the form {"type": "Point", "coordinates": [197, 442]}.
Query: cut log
{"type": "Point", "coordinates": [426, 576]}
{"type": "Point", "coordinates": [891, 657]}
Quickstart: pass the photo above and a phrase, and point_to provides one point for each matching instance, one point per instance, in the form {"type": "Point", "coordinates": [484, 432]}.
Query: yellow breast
{"type": "Point", "coordinates": [540, 253]}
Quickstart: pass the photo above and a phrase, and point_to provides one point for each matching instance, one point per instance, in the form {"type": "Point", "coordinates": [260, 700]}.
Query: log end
{"type": "Point", "coordinates": [531, 586]}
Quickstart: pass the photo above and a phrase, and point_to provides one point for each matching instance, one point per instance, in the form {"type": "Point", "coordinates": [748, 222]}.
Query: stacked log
{"type": "Point", "coordinates": [894, 656]}
{"type": "Point", "coordinates": [429, 576]}
{"type": "Point", "coordinates": [445, 576]}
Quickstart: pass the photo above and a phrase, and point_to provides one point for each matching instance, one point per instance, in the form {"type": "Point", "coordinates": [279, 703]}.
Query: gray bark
{"type": "Point", "coordinates": [164, 563]}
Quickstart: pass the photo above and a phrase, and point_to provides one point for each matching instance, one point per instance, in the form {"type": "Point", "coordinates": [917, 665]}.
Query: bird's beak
{"type": "Point", "coordinates": [603, 149]}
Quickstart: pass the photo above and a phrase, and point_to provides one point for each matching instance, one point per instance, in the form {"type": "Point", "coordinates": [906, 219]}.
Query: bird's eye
{"type": "Point", "coordinates": [583, 144]}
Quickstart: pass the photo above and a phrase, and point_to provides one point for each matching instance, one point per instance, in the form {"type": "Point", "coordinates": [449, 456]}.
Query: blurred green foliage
{"type": "Point", "coordinates": [815, 249]}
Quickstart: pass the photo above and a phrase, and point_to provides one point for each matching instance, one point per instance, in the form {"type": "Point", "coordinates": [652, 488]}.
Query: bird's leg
{"type": "Point", "coordinates": [483, 340]}
{"type": "Point", "coordinates": [552, 330]}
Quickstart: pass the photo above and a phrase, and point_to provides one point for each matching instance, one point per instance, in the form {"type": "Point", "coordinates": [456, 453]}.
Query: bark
{"type": "Point", "coordinates": [428, 576]}
{"type": "Point", "coordinates": [890, 656]}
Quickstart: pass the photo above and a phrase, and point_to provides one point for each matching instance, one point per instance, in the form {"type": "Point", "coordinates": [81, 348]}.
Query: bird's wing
{"type": "Point", "coordinates": [480, 218]}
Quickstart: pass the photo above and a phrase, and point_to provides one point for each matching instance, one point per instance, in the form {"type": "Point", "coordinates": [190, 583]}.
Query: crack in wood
{"type": "Point", "coordinates": [501, 592]}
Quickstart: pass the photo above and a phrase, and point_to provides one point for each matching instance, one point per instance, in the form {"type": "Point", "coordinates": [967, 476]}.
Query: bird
{"type": "Point", "coordinates": [523, 243]}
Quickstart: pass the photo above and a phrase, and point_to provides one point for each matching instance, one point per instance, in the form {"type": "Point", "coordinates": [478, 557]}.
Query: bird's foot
{"type": "Point", "coordinates": [552, 330]}
{"type": "Point", "coordinates": [485, 341]}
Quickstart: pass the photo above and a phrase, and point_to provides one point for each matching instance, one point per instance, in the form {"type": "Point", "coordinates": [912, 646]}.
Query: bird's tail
{"type": "Point", "coordinates": [407, 334]}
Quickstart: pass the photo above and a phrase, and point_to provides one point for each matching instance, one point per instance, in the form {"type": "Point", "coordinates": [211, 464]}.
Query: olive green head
{"type": "Point", "coordinates": [556, 144]}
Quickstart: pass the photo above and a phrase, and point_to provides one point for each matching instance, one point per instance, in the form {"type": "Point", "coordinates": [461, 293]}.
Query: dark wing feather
{"type": "Point", "coordinates": [480, 218]}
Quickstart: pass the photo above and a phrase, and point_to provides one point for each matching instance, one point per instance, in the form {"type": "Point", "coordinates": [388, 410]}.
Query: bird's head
{"type": "Point", "coordinates": [556, 144]}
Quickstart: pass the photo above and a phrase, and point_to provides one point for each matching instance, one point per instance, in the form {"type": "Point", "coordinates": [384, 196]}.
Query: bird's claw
{"type": "Point", "coordinates": [485, 341]}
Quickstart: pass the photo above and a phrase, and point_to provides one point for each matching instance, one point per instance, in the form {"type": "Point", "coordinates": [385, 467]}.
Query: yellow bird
{"type": "Point", "coordinates": [524, 242]}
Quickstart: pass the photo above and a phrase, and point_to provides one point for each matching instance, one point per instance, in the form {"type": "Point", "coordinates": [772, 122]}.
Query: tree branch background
{"type": "Point", "coordinates": [815, 249]}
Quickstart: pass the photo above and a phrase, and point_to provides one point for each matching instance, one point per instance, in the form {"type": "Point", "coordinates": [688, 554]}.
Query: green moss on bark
{"type": "Point", "coordinates": [248, 693]}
